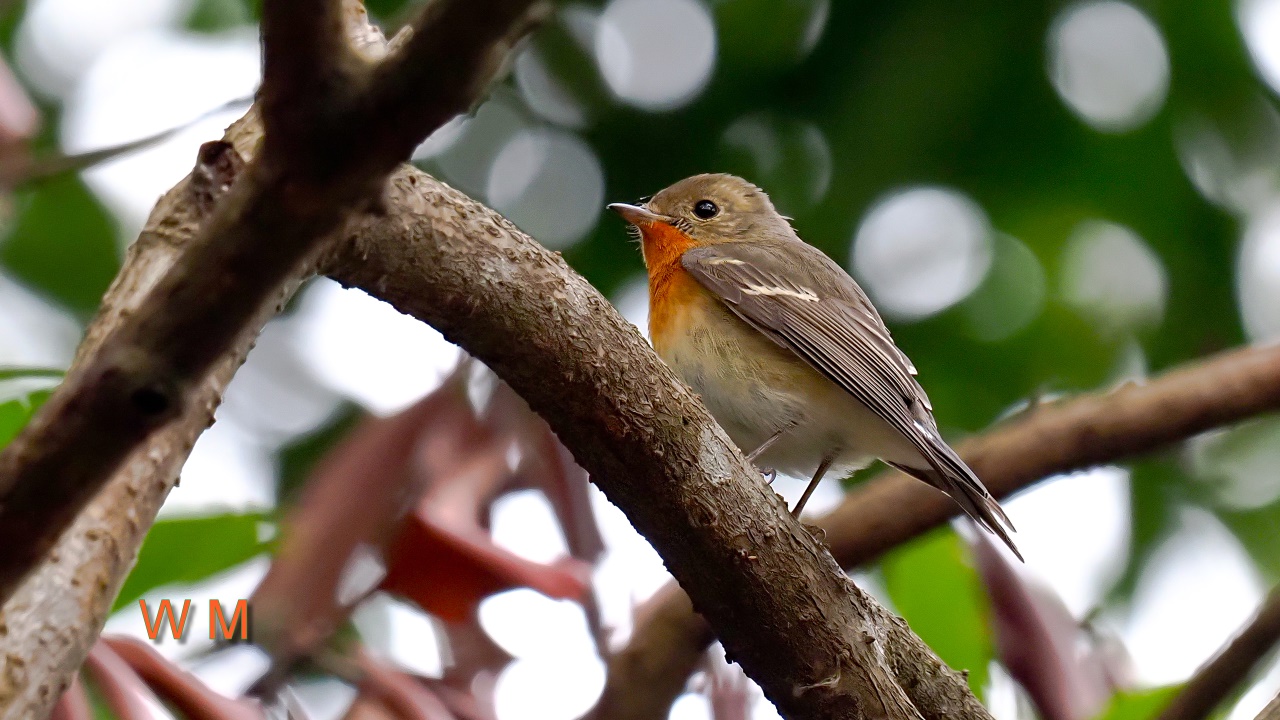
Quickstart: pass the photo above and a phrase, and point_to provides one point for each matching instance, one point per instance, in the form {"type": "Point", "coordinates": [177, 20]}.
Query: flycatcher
{"type": "Point", "coordinates": [783, 346]}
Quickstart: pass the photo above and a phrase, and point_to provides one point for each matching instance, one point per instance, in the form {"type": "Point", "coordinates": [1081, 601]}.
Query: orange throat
{"type": "Point", "coordinates": [672, 291]}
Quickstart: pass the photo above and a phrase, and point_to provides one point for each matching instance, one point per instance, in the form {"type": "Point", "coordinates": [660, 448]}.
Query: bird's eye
{"type": "Point", "coordinates": [705, 209]}
{"type": "Point", "coordinates": [644, 200]}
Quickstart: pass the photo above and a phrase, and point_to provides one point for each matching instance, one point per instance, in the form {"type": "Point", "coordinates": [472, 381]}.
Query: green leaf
{"type": "Point", "coordinates": [63, 243]}
{"type": "Point", "coordinates": [938, 592]}
{"type": "Point", "coordinates": [299, 457]}
{"type": "Point", "coordinates": [1139, 705]}
{"type": "Point", "coordinates": [16, 412]}
{"type": "Point", "coordinates": [217, 15]}
{"type": "Point", "coordinates": [186, 550]}
{"type": "Point", "coordinates": [19, 373]}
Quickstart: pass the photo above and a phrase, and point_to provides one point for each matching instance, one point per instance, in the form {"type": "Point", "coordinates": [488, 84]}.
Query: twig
{"type": "Point", "coordinates": [1216, 680]}
{"type": "Point", "coordinates": [315, 169]}
{"type": "Point", "coordinates": [647, 676]}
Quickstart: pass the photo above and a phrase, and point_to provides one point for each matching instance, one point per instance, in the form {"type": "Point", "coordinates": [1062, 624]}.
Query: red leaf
{"type": "Point", "coordinates": [447, 567]}
{"type": "Point", "coordinates": [444, 559]}
{"type": "Point", "coordinates": [121, 688]}
{"type": "Point", "coordinates": [182, 689]}
{"type": "Point", "coordinates": [400, 693]}
{"type": "Point", "coordinates": [1039, 642]}
{"type": "Point", "coordinates": [356, 498]}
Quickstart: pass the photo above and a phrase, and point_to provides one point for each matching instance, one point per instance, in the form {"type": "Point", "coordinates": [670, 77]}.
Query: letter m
{"type": "Point", "coordinates": [164, 614]}
{"type": "Point", "coordinates": [218, 621]}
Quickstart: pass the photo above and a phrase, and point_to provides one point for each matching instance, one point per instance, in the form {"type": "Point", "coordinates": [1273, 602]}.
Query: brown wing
{"type": "Point", "coordinates": [798, 297]}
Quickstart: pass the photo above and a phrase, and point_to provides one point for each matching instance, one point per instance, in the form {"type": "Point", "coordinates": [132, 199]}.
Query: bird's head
{"type": "Point", "coordinates": [703, 210]}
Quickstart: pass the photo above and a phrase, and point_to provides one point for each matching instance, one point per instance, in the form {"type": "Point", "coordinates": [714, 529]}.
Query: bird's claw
{"type": "Point", "coordinates": [769, 474]}
{"type": "Point", "coordinates": [818, 532]}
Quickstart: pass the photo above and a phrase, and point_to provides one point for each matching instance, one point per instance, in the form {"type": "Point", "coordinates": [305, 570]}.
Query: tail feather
{"type": "Point", "coordinates": [958, 481]}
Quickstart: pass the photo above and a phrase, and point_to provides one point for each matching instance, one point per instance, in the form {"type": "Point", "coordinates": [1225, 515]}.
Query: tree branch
{"type": "Point", "coordinates": [55, 615]}
{"type": "Point", "coordinates": [817, 645]}
{"type": "Point", "coordinates": [824, 649]}
{"type": "Point", "coordinates": [273, 219]}
{"type": "Point", "coordinates": [1216, 680]}
{"type": "Point", "coordinates": [647, 676]}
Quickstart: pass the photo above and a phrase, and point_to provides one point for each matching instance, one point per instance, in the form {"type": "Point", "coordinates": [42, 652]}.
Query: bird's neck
{"type": "Point", "coordinates": [669, 285]}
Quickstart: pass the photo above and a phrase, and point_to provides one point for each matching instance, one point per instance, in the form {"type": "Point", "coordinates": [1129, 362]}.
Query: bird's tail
{"type": "Point", "coordinates": [950, 475]}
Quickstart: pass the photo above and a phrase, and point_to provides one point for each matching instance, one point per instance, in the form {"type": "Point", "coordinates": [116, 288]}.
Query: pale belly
{"type": "Point", "coordinates": [755, 387]}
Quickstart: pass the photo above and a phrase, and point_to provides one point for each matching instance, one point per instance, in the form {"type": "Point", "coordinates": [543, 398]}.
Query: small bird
{"type": "Point", "coordinates": [785, 349]}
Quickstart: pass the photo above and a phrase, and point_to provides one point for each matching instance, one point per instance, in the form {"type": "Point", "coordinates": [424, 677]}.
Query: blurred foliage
{"type": "Point", "coordinates": [184, 550]}
{"type": "Point", "coordinates": [938, 592]}
{"type": "Point", "coordinates": [1138, 705]}
{"type": "Point", "coordinates": [56, 221]}
{"type": "Point", "coordinates": [16, 411]}
{"type": "Point", "coordinates": [298, 458]}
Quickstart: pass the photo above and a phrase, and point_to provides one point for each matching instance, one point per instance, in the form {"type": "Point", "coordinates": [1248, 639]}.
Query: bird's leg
{"type": "Point", "coordinates": [813, 484]}
{"type": "Point", "coordinates": [769, 473]}
{"type": "Point", "coordinates": [768, 443]}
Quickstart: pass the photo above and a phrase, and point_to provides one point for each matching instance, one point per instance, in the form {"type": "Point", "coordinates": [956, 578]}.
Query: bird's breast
{"type": "Point", "coordinates": [750, 384]}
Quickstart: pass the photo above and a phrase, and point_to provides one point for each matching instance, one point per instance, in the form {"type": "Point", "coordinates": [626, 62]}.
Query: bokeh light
{"type": "Point", "coordinates": [1258, 271]}
{"type": "Point", "coordinates": [58, 39]}
{"type": "Point", "coordinates": [544, 93]}
{"type": "Point", "coordinates": [656, 54]}
{"type": "Point", "coordinates": [549, 183]}
{"type": "Point", "coordinates": [1260, 24]}
{"type": "Point", "coordinates": [922, 250]}
{"type": "Point", "coordinates": [466, 154]}
{"type": "Point", "coordinates": [1110, 275]}
{"type": "Point", "coordinates": [789, 158]}
{"type": "Point", "coordinates": [1239, 464]}
{"type": "Point", "coordinates": [1109, 63]}
{"type": "Point", "coordinates": [1012, 295]}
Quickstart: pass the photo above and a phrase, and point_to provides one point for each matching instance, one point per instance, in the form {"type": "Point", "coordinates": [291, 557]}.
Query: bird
{"type": "Point", "coordinates": [785, 349]}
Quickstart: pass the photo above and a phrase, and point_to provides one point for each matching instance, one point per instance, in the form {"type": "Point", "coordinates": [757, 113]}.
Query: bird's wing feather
{"type": "Point", "coordinates": [798, 297]}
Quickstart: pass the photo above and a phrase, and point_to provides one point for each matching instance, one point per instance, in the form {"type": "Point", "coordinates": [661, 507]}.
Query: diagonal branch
{"type": "Point", "coordinates": [312, 173]}
{"type": "Point", "coordinates": [669, 639]}
{"type": "Point", "coordinates": [54, 617]}
{"type": "Point", "coordinates": [1218, 679]}
{"type": "Point", "coordinates": [817, 645]}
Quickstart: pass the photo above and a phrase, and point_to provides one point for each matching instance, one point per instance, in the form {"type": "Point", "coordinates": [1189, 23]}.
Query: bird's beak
{"type": "Point", "coordinates": [635, 214]}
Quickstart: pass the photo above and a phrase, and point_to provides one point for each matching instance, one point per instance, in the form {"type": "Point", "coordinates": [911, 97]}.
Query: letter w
{"type": "Point", "coordinates": [165, 613]}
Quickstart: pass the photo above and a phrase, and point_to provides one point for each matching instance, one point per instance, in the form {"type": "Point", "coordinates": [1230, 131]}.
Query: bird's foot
{"type": "Point", "coordinates": [769, 474]}
{"type": "Point", "coordinates": [818, 532]}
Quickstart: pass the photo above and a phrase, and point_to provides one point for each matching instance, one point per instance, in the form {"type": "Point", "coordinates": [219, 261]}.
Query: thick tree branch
{"type": "Point", "coordinates": [1217, 679]}
{"type": "Point", "coordinates": [817, 645]}
{"type": "Point", "coordinates": [51, 621]}
{"type": "Point", "coordinates": [820, 647]}
{"type": "Point", "coordinates": [647, 676]}
{"type": "Point", "coordinates": [275, 216]}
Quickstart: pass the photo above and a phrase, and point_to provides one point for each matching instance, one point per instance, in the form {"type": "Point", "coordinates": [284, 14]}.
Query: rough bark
{"type": "Point", "coordinates": [647, 676]}
{"type": "Point", "coordinates": [1221, 676]}
{"type": "Point", "coordinates": [334, 134]}
{"type": "Point", "coordinates": [53, 618]}
{"type": "Point", "coordinates": [784, 610]}
{"type": "Point", "coordinates": [819, 646]}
